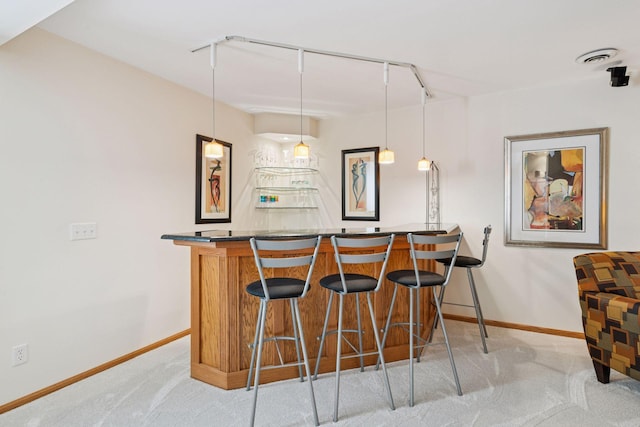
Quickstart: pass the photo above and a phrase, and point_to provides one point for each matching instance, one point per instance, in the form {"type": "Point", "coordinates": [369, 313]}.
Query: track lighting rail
{"type": "Point", "coordinates": [408, 65]}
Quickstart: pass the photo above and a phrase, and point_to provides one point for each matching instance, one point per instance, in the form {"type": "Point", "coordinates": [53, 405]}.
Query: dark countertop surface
{"type": "Point", "coordinates": [229, 235]}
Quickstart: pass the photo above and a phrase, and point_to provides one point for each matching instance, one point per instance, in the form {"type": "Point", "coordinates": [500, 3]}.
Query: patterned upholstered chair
{"type": "Point", "coordinates": [609, 291]}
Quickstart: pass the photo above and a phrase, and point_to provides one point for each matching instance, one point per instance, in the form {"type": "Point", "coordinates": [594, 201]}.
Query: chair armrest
{"type": "Point", "coordinates": [607, 312]}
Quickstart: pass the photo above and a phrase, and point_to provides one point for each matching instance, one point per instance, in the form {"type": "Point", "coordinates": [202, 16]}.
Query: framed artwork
{"type": "Point", "coordinates": [213, 184]}
{"type": "Point", "coordinates": [361, 184]}
{"type": "Point", "coordinates": [555, 189]}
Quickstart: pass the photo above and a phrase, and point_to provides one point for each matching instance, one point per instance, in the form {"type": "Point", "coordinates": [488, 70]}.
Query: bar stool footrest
{"type": "Point", "coordinates": [405, 327]}
{"type": "Point", "coordinates": [283, 365]}
{"type": "Point", "coordinates": [354, 331]}
{"type": "Point", "coordinates": [276, 339]}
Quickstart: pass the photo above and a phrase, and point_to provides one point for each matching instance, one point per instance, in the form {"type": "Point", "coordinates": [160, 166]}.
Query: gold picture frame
{"type": "Point", "coordinates": [556, 188]}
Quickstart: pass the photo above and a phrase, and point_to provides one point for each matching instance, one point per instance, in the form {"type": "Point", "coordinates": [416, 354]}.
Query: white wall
{"type": "Point", "coordinates": [85, 138]}
{"type": "Point", "coordinates": [402, 186]}
{"type": "Point", "coordinates": [537, 286]}
{"type": "Point", "coordinates": [530, 286]}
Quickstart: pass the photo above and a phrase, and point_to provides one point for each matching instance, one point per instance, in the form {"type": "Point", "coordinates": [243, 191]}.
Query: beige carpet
{"type": "Point", "coordinates": [527, 379]}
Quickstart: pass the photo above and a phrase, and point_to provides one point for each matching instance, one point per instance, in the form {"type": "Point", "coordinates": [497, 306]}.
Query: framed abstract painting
{"type": "Point", "coordinates": [361, 184]}
{"type": "Point", "coordinates": [213, 184]}
{"type": "Point", "coordinates": [555, 189]}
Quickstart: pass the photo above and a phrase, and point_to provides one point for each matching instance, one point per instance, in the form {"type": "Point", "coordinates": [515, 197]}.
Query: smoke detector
{"type": "Point", "coordinates": [596, 56]}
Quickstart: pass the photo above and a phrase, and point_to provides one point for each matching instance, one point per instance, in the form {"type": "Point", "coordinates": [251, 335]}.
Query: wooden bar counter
{"type": "Point", "coordinates": [223, 315]}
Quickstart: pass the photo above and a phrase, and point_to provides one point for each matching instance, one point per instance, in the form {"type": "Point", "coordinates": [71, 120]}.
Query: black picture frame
{"type": "Point", "coordinates": [361, 184]}
{"type": "Point", "coordinates": [211, 209]}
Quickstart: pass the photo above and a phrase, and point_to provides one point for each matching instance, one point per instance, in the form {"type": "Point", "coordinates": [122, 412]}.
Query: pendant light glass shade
{"type": "Point", "coordinates": [424, 164]}
{"type": "Point", "coordinates": [213, 149]}
{"type": "Point", "coordinates": [386, 157]}
{"type": "Point", "coordinates": [301, 151]}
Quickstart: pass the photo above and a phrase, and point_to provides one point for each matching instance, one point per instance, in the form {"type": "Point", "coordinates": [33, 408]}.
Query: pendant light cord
{"type": "Point", "coordinates": [386, 105]}
{"type": "Point", "coordinates": [424, 140]}
{"type": "Point", "coordinates": [300, 105]}
{"type": "Point", "coordinates": [301, 150]}
{"type": "Point", "coordinates": [300, 70]}
{"type": "Point", "coordinates": [386, 121]}
{"type": "Point", "coordinates": [213, 59]}
{"type": "Point", "coordinates": [213, 102]}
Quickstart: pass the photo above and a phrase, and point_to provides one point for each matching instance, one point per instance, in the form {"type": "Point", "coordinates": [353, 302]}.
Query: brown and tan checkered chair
{"type": "Point", "coordinates": [609, 291]}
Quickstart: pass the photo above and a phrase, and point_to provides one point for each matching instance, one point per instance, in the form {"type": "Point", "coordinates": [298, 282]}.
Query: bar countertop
{"type": "Point", "coordinates": [231, 235]}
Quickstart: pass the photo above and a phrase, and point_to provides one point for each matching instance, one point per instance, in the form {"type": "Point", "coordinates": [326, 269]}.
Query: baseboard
{"type": "Point", "coordinates": [86, 374]}
{"type": "Point", "coordinates": [508, 325]}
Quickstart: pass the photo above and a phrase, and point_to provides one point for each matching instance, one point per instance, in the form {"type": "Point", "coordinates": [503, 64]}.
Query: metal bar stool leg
{"type": "Point", "coordinates": [476, 305]}
{"type": "Point", "coordinates": [305, 357]}
{"type": "Point", "coordinates": [297, 338]}
{"type": "Point", "coordinates": [474, 293]}
{"type": "Point", "coordinates": [338, 350]}
{"type": "Point", "coordinates": [417, 356]}
{"type": "Point", "coordinates": [256, 382]}
{"type": "Point", "coordinates": [253, 350]}
{"type": "Point", "coordinates": [380, 352]}
{"type": "Point", "coordinates": [323, 336]}
{"type": "Point", "coordinates": [359, 332]}
{"type": "Point", "coordinates": [435, 321]}
{"type": "Point", "coordinates": [387, 325]}
{"type": "Point", "coordinates": [446, 341]}
{"type": "Point", "coordinates": [434, 325]}
{"type": "Point", "coordinates": [410, 347]}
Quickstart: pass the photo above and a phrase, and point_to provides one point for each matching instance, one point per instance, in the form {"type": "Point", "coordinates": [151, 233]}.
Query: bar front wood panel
{"type": "Point", "coordinates": [223, 314]}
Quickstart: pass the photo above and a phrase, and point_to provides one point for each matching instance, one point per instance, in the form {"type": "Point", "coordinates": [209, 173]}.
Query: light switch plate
{"type": "Point", "coordinates": [83, 231]}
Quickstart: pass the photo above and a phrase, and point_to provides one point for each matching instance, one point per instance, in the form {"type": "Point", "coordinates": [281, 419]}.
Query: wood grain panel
{"type": "Point", "coordinates": [195, 307]}
{"type": "Point", "coordinates": [248, 309]}
{"type": "Point", "coordinates": [211, 319]}
{"type": "Point", "coordinates": [224, 315]}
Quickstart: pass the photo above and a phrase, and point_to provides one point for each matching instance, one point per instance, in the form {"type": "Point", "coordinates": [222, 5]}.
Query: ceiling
{"type": "Point", "coordinates": [460, 47]}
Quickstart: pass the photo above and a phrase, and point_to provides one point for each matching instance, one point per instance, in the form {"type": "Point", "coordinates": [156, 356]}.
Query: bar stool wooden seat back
{"type": "Point", "coordinates": [423, 247]}
{"type": "Point", "coordinates": [278, 255]}
{"type": "Point", "coordinates": [370, 250]}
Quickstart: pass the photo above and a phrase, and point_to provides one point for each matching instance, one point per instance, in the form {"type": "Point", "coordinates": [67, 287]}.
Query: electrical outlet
{"type": "Point", "coordinates": [83, 231]}
{"type": "Point", "coordinates": [20, 354]}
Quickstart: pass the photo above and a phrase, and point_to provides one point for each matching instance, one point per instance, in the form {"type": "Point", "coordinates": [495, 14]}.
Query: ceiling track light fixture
{"type": "Point", "coordinates": [213, 149]}
{"type": "Point", "coordinates": [386, 156]}
{"type": "Point", "coordinates": [408, 65]}
{"type": "Point", "coordinates": [301, 150]}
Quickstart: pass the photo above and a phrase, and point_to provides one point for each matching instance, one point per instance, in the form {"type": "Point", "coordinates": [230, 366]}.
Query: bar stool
{"type": "Point", "coordinates": [415, 280]}
{"type": "Point", "coordinates": [470, 263]}
{"type": "Point", "coordinates": [281, 254]}
{"type": "Point", "coordinates": [377, 251]}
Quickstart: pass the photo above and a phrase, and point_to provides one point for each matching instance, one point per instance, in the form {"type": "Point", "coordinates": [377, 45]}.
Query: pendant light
{"type": "Point", "coordinates": [386, 156]}
{"type": "Point", "coordinates": [424, 164]}
{"type": "Point", "coordinates": [213, 150]}
{"type": "Point", "coordinates": [301, 150]}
